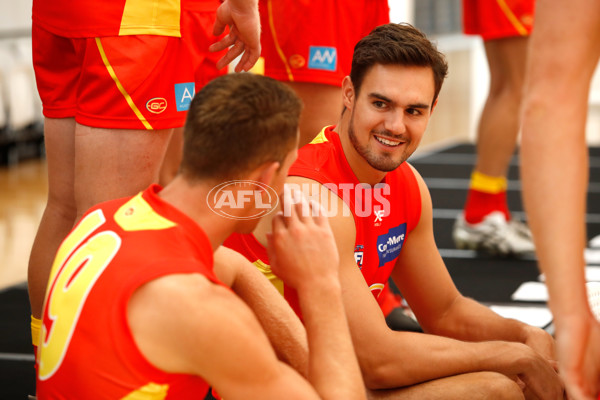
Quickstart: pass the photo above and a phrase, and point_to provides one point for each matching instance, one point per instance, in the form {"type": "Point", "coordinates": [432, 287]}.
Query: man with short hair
{"type": "Point", "coordinates": [381, 215]}
{"type": "Point", "coordinates": [134, 308]}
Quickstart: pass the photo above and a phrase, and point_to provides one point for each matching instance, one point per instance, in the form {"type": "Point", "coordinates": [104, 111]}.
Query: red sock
{"type": "Point", "coordinates": [479, 204]}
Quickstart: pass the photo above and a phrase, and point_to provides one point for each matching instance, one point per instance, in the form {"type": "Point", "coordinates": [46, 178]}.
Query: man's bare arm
{"type": "Point", "coordinates": [186, 324]}
{"type": "Point", "coordinates": [391, 359]}
{"type": "Point", "coordinates": [421, 271]}
{"type": "Point", "coordinates": [282, 326]}
{"type": "Point", "coordinates": [302, 252]}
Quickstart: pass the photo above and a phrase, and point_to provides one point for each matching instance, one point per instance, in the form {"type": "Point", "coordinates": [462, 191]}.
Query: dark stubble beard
{"type": "Point", "coordinates": [381, 162]}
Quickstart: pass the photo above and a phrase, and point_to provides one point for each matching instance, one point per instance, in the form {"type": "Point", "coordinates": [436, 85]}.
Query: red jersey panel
{"type": "Point", "coordinates": [384, 215]}
{"type": "Point", "coordinates": [86, 349]}
{"type": "Point", "coordinates": [497, 19]}
{"type": "Point", "coordinates": [313, 41]}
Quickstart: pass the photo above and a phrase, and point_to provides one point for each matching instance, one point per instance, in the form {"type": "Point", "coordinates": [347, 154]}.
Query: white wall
{"type": "Point", "coordinates": [15, 15]}
{"type": "Point", "coordinates": [401, 10]}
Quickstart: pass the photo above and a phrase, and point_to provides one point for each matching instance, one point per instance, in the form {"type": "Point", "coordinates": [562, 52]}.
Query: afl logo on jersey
{"type": "Point", "coordinates": [156, 105]}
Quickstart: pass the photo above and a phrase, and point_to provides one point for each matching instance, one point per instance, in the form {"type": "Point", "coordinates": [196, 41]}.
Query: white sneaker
{"type": "Point", "coordinates": [494, 235]}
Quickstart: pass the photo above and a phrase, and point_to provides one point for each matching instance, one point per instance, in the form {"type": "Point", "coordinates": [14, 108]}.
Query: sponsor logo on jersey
{"type": "Point", "coordinates": [156, 105]}
{"type": "Point", "coordinates": [359, 254]}
{"type": "Point", "coordinates": [227, 198]}
{"type": "Point", "coordinates": [324, 58]}
{"type": "Point", "coordinates": [297, 61]}
{"type": "Point", "coordinates": [379, 214]}
{"type": "Point", "coordinates": [376, 289]}
{"type": "Point", "coordinates": [184, 93]}
{"type": "Point", "coordinates": [390, 244]}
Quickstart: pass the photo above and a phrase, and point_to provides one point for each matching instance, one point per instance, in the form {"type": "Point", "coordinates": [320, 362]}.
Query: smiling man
{"type": "Point", "coordinates": [381, 215]}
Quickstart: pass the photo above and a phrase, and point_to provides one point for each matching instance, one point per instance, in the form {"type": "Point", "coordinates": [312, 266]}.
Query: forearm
{"type": "Point", "coordinates": [283, 328]}
{"type": "Point", "coordinates": [330, 345]}
{"type": "Point", "coordinates": [471, 321]}
{"type": "Point", "coordinates": [412, 358]}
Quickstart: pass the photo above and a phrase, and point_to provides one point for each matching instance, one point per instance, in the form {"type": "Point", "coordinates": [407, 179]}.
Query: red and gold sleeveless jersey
{"type": "Point", "coordinates": [86, 349]}
{"type": "Point", "coordinates": [384, 215]}
{"type": "Point", "coordinates": [96, 18]}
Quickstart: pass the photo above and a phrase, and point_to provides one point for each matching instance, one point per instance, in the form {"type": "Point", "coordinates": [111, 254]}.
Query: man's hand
{"type": "Point", "coordinates": [539, 376]}
{"type": "Point", "coordinates": [541, 341]}
{"type": "Point", "coordinates": [302, 248]}
{"type": "Point", "coordinates": [244, 34]}
{"type": "Point", "coordinates": [578, 347]}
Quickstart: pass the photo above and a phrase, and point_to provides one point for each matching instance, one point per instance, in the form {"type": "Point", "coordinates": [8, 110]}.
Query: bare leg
{"type": "Point", "coordinates": [499, 123]}
{"type": "Point", "coordinates": [477, 385]}
{"type": "Point", "coordinates": [60, 212]}
{"type": "Point", "coordinates": [113, 163]}
{"type": "Point", "coordinates": [322, 106]}
{"type": "Point", "coordinates": [564, 53]}
{"type": "Point", "coordinates": [170, 164]}
{"type": "Point", "coordinates": [86, 166]}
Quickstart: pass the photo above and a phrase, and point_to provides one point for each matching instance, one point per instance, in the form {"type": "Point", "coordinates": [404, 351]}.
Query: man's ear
{"type": "Point", "coordinates": [348, 94]}
{"type": "Point", "coordinates": [266, 172]}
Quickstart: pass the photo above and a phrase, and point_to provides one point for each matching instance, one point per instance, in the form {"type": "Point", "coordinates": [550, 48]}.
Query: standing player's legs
{"type": "Point", "coordinates": [322, 107]}
{"type": "Point", "coordinates": [172, 159]}
{"type": "Point", "coordinates": [486, 212]}
{"type": "Point", "coordinates": [309, 46]}
{"type": "Point", "coordinates": [498, 128]}
{"type": "Point", "coordinates": [113, 163]}
{"type": "Point", "coordinates": [563, 56]}
{"type": "Point", "coordinates": [60, 212]}
{"type": "Point", "coordinates": [131, 99]}
{"type": "Point", "coordinates": [499, 122]}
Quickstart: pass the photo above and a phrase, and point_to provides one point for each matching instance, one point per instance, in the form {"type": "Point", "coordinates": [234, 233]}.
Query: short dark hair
{"type": "Point", "coordinates": [236, 123]}
{"type": "Point", "coordinates": [397, 44]}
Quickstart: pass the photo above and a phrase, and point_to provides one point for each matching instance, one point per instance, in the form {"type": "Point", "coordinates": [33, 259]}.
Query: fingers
{"type": "Point", "coordinates": [233, 52]}
{"type": "Point", "coordinates": [249, 58]}
{"type": "Point", "coordinates": [227, 41]}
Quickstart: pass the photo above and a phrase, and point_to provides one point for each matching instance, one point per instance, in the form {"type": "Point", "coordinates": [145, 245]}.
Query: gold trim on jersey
{"type": "Point", "coordinates": [137, 215]}
{"type": "Point", "coordinates": [266, 271]}
{"type": "Point", "coordinates": [152, 391]}
{"type": "Point", "coordinates": [512, 18]}
{"type": "Point", "coordinates": [376, 286]}
{"type": "Point", "coordinates": [115, 78]}
{"type": "Point", "coordinates": [276, 42]}
{"type": "Point", "coordinates": [320, 138]}
{"type": "Point", "coordinates": [151, 17]}
{"type": "Point", "coordinates": [36, 328]}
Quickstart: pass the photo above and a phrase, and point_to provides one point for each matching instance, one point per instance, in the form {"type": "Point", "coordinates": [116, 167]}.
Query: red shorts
{"type": "Point", "coordinates": [313, 41]}
{"type": "Point", "coordinates": [125, 82]}
{"type": "Point", "coordinates": [497, 19]}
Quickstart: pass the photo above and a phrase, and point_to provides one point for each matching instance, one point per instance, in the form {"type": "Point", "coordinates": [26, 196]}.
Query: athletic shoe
{"type": "Point", "coordinates": [494, 235]}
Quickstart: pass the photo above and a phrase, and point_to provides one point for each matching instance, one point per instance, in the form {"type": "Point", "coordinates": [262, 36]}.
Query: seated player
{"type": "Point", "coordinates": [381, 215]}
{"type": "Point", "coordinates": [134, 308]}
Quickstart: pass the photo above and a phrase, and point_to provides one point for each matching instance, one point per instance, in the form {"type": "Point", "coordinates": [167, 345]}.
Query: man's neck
{"type": "Point", "coordinates": [364, 172]}
{"type": "Point", "coordinates": [191, 200]}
